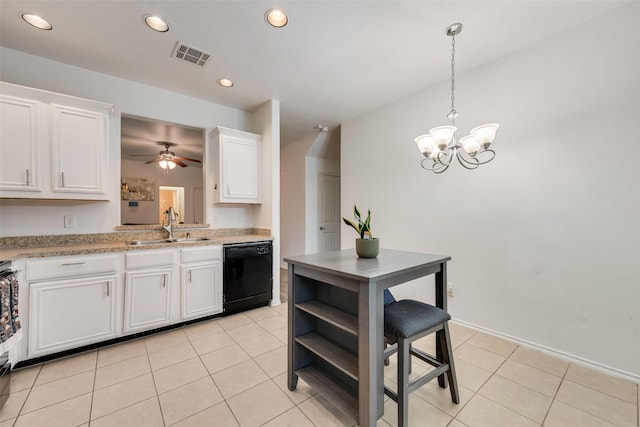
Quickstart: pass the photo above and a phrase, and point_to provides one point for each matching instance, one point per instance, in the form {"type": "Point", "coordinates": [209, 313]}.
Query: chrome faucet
{"type": "Point", "coordinates": [169, 217]}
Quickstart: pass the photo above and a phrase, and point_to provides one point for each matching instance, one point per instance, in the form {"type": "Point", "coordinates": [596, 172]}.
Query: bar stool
{"type": "Point", "coordinates": [406, 321]}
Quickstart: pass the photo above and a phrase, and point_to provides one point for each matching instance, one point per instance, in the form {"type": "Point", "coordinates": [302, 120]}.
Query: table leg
{"type": "Point", "coordinates": [441, 301]}
{"type": "Point", "coordinates": [292, 378]}
{"type": "Point", "coordinates": [369, 376]}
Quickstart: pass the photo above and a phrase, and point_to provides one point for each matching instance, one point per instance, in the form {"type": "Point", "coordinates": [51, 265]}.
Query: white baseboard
{"type": "Point", "coordinates": [556, 353]}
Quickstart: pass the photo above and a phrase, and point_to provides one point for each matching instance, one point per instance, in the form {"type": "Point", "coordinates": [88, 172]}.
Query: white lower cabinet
{"type": "Point", "coordinates": [201, 280]}
{"type": "Point", "coordinates": [148, 289]}
{"type": "Point", "coordinates": [72, 301]}
{"type": "Point", "coordinates": [147, 299]}
{"type": "Point", "coordinates": [69, 312]}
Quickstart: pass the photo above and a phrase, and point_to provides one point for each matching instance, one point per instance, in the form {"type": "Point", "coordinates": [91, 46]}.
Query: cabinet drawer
{"type": "Point", "coordinates": [201, 254]}
{"type": "Point", "coordinates": [70, 266]}
{"type": "Point", "coordinates": [159, 258]}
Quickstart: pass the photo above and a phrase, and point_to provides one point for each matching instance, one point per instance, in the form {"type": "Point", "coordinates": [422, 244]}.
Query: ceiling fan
{"type": "Point", "coordinates": [167, 159]}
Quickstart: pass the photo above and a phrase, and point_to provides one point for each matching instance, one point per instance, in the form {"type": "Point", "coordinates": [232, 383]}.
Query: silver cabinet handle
{"type": "Point", "coordinates": [322, 228]}
{"type": "Point", "coordinates": [164, 280]}
{"type": "Point", "coordinates": [62, 178]}
{"type": "Point", "coordinates": [74, 263]}
{"type": "Point", "coordinates": [28, 177]}
{"type": "Point", "coordinates": [228, 189]}
{"type": "Point", "coordinates": [108, 288]}
{"type": "Point", "coordinates": [189, 276]}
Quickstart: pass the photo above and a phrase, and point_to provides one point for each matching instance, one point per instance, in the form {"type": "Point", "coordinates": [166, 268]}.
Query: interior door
{"type": "Point", "coordinates": [328, 212]}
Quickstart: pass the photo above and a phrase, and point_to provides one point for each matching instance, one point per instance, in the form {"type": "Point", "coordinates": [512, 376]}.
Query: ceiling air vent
{"type": "Point", "coordinates": [190, 54]}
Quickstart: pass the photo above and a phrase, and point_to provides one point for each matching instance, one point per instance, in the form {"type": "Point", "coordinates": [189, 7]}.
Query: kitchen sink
{"type": "Point", "coordinates": [161, 241]}
{"type": "Point", "coordinates": [189, 239]}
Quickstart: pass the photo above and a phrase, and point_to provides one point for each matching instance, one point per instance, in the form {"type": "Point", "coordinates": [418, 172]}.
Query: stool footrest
{"type": "Point", "coordinates": [418, 382]}
{"type": "Point", "coordinates": [425, 357]}
{"type": "Point", "coordinates": [425, 378]}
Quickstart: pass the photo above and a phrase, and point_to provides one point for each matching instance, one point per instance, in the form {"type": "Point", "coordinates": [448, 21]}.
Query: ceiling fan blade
{"type": "Point", "coordinates": [178, 162]}
{"type": "Point", "coordinates": [142, 155]}
{"type": "Point", "coordinates": [187, 158]}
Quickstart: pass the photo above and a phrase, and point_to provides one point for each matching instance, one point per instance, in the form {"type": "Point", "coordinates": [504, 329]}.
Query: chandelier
{"type": "Point", "coordinates": [440, 146]}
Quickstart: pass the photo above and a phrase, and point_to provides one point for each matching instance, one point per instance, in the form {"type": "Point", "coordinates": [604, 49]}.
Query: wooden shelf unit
{"type": "Point", "coordinates": [326, 341]}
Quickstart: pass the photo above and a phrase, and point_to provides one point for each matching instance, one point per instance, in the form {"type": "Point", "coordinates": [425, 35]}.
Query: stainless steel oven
{"type": "Point", "coordinates": [247, 276]}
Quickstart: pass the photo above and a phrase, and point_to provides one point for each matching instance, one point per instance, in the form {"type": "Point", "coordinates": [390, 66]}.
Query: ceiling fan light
{"type": "Point", "coordinates": [470, 145]}
{"type": "Point", "coordinates": [485, 134]}
{"type": "Point", "coordinates": [162, 164]}
{"type": "Point", "coordinates": [171, 164]}
{"type": "Point", "coordinates": [443, 135]}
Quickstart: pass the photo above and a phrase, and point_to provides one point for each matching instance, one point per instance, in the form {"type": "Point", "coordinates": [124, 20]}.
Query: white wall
{"type": "Point", "coordinates": [544, 240]}
{"type": "Point", "coordinates": [131, 98]}
{"type": "Point", "coordinates": [302, 161]}
{"type": "Point", "coordinates": [266, 122]}
{"type": "Point", "coordinates": [292, 202]}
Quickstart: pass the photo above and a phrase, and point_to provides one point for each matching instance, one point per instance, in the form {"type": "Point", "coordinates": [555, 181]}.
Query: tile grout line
{"type": "Point", "coordinates": [155, 386]}
{"type": "Point", "coordinates": [504, 406]}
{"type": "Point", "coordinates": [93, 389]}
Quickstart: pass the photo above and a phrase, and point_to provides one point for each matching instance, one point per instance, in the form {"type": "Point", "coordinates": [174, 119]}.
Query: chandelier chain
{"type": "Point", "coordinates": [453, 75]}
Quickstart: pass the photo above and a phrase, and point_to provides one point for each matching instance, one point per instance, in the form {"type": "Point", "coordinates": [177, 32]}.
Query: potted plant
{"type": "Point", "coordinates": [366, 245]}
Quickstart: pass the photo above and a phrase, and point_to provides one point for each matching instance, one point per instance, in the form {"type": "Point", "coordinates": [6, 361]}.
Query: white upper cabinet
{"type": "Point", "coordinates": [79, 150]}
{"type": "Point", "coordinates": [53, 146]}
{"type": "Point", "coordinates": [20, 136]}
{"type": "Point", "coordinates": [237, 157]}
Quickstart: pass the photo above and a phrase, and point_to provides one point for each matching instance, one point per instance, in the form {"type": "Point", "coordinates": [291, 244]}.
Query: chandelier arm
{"type": "Point", "coordinates": [435, 167]}
{"type": "Point", "coordinates": [492, 155]}
{"type": "Point", "coordinates": [469, 164]}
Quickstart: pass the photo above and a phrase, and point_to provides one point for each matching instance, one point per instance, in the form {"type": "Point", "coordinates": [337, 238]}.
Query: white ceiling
{"type": "Point", "coordinates": [334, 60]}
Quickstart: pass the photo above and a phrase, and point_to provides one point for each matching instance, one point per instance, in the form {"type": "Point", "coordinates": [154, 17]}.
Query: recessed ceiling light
{"type": "Point", "coordinates": [276, 18]}
{"type": "Point", "coordinates": [36, 21]}
{"type": "Point", "coordinates": [156, 23]}
{"type": "Point", "coordinates": [225, 82]}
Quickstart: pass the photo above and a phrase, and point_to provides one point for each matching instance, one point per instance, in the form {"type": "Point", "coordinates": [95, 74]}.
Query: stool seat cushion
{"type": "Point", "coordinates": [407, 317]}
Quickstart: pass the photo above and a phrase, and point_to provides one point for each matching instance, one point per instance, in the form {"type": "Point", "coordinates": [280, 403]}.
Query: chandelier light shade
{"type": "Point", "coordinates": [440, 146]}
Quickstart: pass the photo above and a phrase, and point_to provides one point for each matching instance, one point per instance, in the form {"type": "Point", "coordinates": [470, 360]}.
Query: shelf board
{"type": "Point", "coordinates": [334, 316]}
{"type": "Point", "coordinates": [329, 389]}
{"type": "Point", "coordinates": [340, 358]}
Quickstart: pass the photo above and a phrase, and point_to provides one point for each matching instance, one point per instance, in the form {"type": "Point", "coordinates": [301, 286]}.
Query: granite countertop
{"type": "Point", "coordinates": [13, 248]}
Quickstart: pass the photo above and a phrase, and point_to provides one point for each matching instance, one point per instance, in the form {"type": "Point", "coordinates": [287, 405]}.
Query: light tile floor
{"type": "Point", "coordinates": [232, 372]}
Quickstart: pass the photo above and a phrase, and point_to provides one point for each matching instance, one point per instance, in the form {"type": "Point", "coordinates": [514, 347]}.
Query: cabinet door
{"type": "Point", "coordinates": [20, 135]}
{"type": "Point", "coordinates": [240, 169]}
{"type": "Point", "coordinates": [79, 150]}
{"type": "Point", "coordinates": [70, 313]}
{"type": "Point", "coordinates": [201, 290]}
{"type": "Point", "coordinates": [147, 299]}
{"type": "Point", "coordinates": [239, 166]}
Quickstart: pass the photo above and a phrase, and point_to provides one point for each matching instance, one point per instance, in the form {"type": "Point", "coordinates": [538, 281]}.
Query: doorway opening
{"type": "Point", "coordinates": [171, 196]}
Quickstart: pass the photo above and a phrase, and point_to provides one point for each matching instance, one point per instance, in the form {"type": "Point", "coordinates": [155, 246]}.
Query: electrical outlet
{"type": "Point", "coordinates": [69, 221]}
{"type": "Point", "coordinates": [450, 290]}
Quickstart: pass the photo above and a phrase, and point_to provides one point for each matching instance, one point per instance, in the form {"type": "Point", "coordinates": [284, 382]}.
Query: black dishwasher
{"type": "Point", "coordinates": [247, 276]}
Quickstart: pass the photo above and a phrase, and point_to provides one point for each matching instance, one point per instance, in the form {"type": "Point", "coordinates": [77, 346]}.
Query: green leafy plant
{"type": "Point", "coordinates": [361, 226]}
